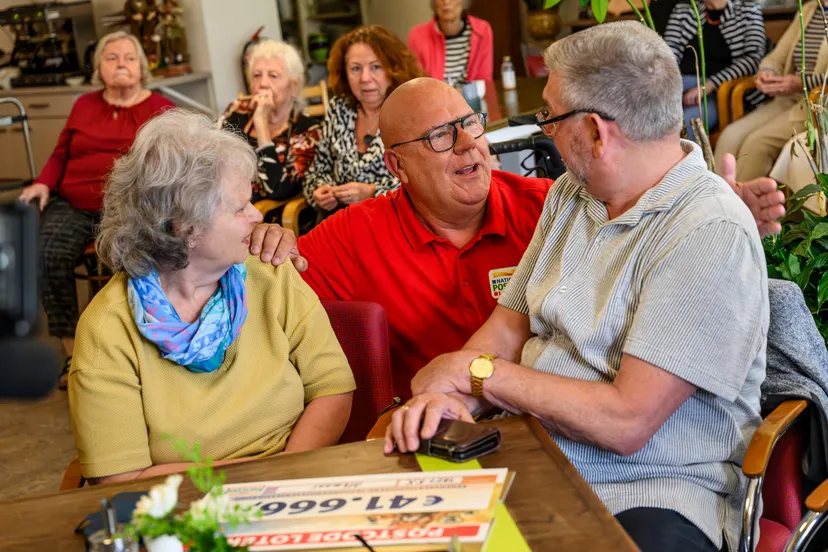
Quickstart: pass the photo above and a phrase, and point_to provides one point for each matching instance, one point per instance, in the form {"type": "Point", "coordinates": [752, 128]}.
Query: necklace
{"type": "Point", "coordinates": [116, 107]}
{"type": "Point", "coordinates": [370, 135]}
{"type": "Point", "coordinates": [714, 23]}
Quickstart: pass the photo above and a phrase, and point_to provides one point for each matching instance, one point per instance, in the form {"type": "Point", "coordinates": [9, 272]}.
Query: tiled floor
{"type": "Point", "coordinates": [36, 444]}
{"type": "Point", "coordinates": [36, 440]}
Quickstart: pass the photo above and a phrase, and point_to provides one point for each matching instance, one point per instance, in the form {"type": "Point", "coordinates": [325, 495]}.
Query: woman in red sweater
{"type": "Point", "coordinates": [454, 47]}
{"type": "Point", "coordinates": [101, 127]}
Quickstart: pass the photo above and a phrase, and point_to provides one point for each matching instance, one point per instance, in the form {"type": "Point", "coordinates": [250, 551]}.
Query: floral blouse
{"type": "Point", "coordinates": [337, 159]}
{"type": "Point", "coordinates": [282, 169]}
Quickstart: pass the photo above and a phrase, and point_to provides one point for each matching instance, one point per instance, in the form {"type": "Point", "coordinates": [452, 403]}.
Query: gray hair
{"type": "Point", "coordinates": [112, 37]}
{"type": "Point", "coordinates": [165, 191]}
{"type": "Point", "coordinates": [276, 49]}
{"type": "Point", "coordinates": [625, 70]}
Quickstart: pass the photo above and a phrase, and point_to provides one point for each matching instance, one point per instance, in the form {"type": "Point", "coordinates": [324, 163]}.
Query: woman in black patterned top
{"type": "Point", "coordinates": [272, 121]}
{"type": "Point", "coordinates": [365, 66]}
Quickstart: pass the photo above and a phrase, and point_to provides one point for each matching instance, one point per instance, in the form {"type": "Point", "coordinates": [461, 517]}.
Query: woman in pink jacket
{"type": "Point", "coordinates": [454, 47]}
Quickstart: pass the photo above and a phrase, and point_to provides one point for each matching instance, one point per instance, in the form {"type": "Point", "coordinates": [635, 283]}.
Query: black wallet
{"type": "Point", "coordinates": [461, 441]}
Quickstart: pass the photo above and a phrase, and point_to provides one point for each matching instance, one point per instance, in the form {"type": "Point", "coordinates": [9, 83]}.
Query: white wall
{"type": "Point", "coordinates": [216, 32]}
{"type": "Point", "coordinates": [398, 15]}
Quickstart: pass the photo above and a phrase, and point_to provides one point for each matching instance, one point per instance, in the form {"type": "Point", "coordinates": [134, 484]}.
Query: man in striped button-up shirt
{"type": "Point", "coordinates": [635, 325]}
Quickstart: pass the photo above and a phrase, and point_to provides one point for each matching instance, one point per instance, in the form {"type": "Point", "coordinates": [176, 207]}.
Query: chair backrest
{"type": "Point", "coordinates": [362, 330]}
{"type": "Point", "coordinates": [320, 91]}
{"type": "Point", "coordinates": [782, 492]}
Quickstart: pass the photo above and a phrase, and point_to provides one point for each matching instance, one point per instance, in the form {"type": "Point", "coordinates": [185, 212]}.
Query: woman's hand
{"type": "Point", "coordinates": [691, 96]}
{"type": "Point", "coordinates": [324, 197]}
{"type": "Point", "coordinates": [262, 105]}
{"type": "Point", "coordinates": [764, 78]}
{"type": "Point", "coordinates": [354, 192]}
{"type": "Point", "coordinates": [774, 85]}
{"type": "Point", "coordinates": [36, 191]}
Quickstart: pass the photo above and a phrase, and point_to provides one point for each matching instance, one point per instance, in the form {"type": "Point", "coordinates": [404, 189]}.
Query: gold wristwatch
{"type": "Point", "coordinates": [481, 369]}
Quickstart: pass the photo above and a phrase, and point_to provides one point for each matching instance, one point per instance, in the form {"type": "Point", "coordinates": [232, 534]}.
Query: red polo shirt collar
{"type": "Point", "coordinates": [419, 235]}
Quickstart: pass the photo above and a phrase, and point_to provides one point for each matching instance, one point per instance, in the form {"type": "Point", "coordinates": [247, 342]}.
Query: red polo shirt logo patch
{"type": "Point", "coordinates": [498, 278]}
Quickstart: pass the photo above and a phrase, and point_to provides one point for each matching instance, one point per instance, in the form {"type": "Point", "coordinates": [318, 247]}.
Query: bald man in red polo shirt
{"type": "Point", "coordinates": [437, 253]}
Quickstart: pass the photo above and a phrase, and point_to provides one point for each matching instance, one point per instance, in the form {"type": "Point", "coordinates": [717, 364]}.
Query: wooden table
{"type": "Point", "coordinates": [525, 99]}
{"type": "Point", "coordinates": [550, 502]}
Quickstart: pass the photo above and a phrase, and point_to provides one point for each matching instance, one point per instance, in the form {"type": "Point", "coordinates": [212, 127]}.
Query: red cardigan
{"type": "Point", "coordinates": [429, 45]}
{"type": "Point", "coordinates": [95, 134]}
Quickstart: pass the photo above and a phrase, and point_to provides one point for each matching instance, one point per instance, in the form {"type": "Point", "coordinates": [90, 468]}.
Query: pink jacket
{"type": "Point", "coordinates": [429, 45]}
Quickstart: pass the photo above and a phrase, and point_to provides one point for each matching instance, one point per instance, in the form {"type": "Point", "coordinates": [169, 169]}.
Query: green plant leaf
{"type": "Point", "coordinates": [822, 179]}
{"type": "Point", "coordinates": [807, 191]}
{"type": "Point", "coordinates": [819, 231]}
{"type": "Point", "coordinates": [822, 290]}
{"type": "Point", "coordinates": [803, 249]}
{"type": "Point", "coordinates": [821, 260]}
{"type": "Point", "coordinates": [551, 4]}
{"type": "Point", "coordinates": [599, 9]}
{"type": "Point", "coordinates": [805, 276]}
{"type": "Point", "coordinates": [793, 209]}
{"type": "Point", "coordinates": [793, 266]}
{"type": "Point", "coordinates": [795, 234]}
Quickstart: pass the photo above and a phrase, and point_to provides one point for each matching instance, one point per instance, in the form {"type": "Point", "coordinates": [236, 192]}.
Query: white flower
{"type": "Point", "coordinates": [161, 499]}
{"type": "Point", "coordinates": [213, 506]}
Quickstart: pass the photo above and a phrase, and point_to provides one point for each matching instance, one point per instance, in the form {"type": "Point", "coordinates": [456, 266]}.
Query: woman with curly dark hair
{"type": "Point", "coordinates": [365, 66]}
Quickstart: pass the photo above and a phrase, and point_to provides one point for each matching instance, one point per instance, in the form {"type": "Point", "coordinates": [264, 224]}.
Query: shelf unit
{"type": "Point", "coordinates": [333, 18]}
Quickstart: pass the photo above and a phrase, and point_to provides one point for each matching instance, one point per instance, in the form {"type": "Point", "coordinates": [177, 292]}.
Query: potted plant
{"type": "Point", "coordinates": [542, 23]}
{"type": "Point", "coordinates": [165, 529]}
{"type": "Point", "coordinates": [800, 252]}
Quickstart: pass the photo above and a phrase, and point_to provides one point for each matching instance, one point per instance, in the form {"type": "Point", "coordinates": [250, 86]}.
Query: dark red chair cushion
{"type": "Point", "coordinates": [773, 536]}
{"type": "Point", "coordinates": [782, 496]}
{"type": "Point", "coordinates": [536, 66]}
{"type": "Point", "coordinates": [362, 330]}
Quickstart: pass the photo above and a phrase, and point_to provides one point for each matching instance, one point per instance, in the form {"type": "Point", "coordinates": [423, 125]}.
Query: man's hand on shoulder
{"type": "Point", "coordinates": [275, 244]}
{"type": "Point", "coordinates": [761, 196]}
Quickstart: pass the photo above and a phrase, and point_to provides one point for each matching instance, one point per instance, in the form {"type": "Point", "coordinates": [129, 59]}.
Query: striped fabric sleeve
{"type": "Point", "coordinates": [514, 296]}
{"type": "Point", "coordinates": [750, 24]}
{"type": "Point", "coordinates": [813, 80]}
{"type": "Point", "coordinates": [699, 315]}
{"type": "Point", "coordinates": [680, 30]}
{"type": "Point", "coordinates": [742, 29]}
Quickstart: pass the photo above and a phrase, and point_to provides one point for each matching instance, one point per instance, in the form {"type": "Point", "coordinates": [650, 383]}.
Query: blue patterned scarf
{"type": "Point", "coordinates": [199, 346]}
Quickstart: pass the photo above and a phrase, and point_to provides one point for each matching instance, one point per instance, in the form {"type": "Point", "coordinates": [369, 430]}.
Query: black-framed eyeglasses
{"type": "Point", "coordinates": [444, 137]}
{"type": "Point", "coordinates": [543, 120]}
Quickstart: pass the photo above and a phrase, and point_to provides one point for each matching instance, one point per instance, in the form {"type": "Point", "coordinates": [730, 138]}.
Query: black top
{"type": "Point", "coordinates": [716, 51]}
{"type": "Point", "coordinates": [282, 165]}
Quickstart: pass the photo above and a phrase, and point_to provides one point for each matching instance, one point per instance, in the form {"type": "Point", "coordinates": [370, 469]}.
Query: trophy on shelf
{"type": "Point", "coordinates": [157, 25]}
{"type": "Point", "coordinates": [170, 38]}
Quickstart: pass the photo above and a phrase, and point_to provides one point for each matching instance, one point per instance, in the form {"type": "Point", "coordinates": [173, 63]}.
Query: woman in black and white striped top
{"type": "Point", "coordinates": [757, 139]}
{"type": "Point", "coordinates": [734, 43]}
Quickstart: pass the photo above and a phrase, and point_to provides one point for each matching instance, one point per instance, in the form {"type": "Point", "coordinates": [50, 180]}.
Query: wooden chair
{"type": "Point", "coordinates": [318, 91]}
{"type": "Point", "coordinates": [295, 205]}
{"type": "Point", "coordinates": [290, 214]}
{"type": "Point", "coordinates": [97, 273]}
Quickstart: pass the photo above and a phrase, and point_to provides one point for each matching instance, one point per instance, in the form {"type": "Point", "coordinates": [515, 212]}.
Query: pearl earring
{"type": "Point", "coordinates": [191, 243]}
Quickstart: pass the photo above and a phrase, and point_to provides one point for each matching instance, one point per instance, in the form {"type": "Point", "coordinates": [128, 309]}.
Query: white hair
{"type": "Point", "coordinates": [276, 49]}
{"type": "Point", "coordinates": [112, 37]}
{"type": "Point", "coordinates": [622, 69]}
{"type": "Point", "coordinates": [166, 190]}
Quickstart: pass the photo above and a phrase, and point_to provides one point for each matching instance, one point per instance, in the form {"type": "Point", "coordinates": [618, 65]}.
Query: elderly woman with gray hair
{"type": "Point", "coordinates": [271, 120]}
{"type": "Point", "coordinates": [100, 127]}
{"type": "Point", "coordinates": [190, 339]}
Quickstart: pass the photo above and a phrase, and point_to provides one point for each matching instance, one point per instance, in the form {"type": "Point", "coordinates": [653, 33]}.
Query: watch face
{"type": "Point", "coordinates": [481, 368]}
